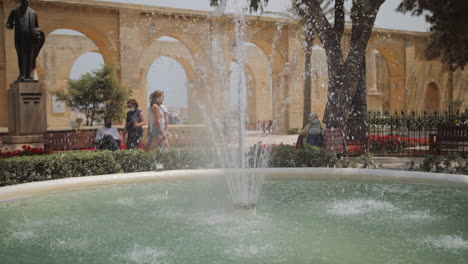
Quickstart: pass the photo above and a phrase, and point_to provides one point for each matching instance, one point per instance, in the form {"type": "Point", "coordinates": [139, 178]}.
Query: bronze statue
{"type": "Point", "coordinates": [29, 39]}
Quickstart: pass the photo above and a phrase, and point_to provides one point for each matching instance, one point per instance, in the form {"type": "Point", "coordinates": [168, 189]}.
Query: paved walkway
{"type": "Point", "coordinates": [253, 137]}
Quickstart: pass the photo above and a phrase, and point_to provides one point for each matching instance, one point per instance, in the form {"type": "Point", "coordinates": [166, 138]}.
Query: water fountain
{"type": "Point", "coordinates": [304, 215]}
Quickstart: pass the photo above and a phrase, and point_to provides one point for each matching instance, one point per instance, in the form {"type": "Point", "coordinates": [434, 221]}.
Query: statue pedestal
{"type": "Point", "coordinates": [27, 116]}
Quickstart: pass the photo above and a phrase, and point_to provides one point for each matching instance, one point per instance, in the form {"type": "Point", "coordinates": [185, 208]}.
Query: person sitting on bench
{"type": "Point", "coordinates": [108, 137]}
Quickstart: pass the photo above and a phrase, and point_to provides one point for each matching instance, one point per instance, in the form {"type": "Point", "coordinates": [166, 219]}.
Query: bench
{"type": "Point", "coordinates": [69, 140]}
{"type": "Point", "coordinates": [449, 138]}
{"type": "Point", "coordinates": [357, 137]}
{"type": "Point", "coordinates": [334, 140]}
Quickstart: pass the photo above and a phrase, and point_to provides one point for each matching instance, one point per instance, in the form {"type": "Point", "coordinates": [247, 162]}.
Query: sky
{"type": "Point", "coordinates": [169, 75]}
{"type": "Point", "coordinates": [386, 18]}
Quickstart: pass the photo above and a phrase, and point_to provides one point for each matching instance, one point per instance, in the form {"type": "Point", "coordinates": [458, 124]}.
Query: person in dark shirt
{"type": "Point", "coordinates": [134, 125]}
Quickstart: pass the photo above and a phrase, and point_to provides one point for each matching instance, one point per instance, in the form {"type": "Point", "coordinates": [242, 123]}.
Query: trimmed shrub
{"type": "Point", "coordinates": [86, 163]}
{"type": "Point", "coordinates": [282, 156]}
{"type": "Point", "coordinates": [60, 165]}
{"type": "Point", "coordinates": [135, 160]}
{"type": "Point", "coordinates": [311, 156]}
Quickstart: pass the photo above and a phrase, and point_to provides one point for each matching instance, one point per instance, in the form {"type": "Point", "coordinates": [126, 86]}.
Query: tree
{"type": "Point", "coordinates": [309, 37]}
{"type": "Point", "coordinates": [346, 81]}
{"type": "Point", "coordinates": [97, 95]}
{"type": "Point", "coordinates": [448, 20]}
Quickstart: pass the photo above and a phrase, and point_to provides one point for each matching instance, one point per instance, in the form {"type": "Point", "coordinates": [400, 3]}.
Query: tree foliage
{"type": "Point", "coordinates": [449, 27]}
{"type": "Point", "coordinates": [346, 74]}
{"type": "Point", "coordinates": [97, 95]}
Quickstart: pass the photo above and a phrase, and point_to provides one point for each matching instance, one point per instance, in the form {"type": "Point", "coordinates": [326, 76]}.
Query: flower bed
{"type": "Point", "coordinates": [387, 144]}
{"type": "Point", "coordinates": [395, 143]}
{"type": "Point", "coordinates": [25, 151]}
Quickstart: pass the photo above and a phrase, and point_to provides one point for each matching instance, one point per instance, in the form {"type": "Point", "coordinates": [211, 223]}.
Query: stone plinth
{"type": "Point", "coordinates": [26, 113]}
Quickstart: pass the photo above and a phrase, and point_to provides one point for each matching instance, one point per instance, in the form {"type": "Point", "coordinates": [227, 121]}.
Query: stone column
{"type": "Point", "coordinates": [280, 103]}
{"type": "Point", "coordinates": [221, 57]}
{"type": "Point", "coordinates": [410, 83]}
{"type": "Point", "coordinates": [295, 80]}
{"type": "Point", "coordinates": [374, 96]}
{"type": "Point", "coordinates": [131, 48]}
{"type": "Point", "coordinates": [371, 67]}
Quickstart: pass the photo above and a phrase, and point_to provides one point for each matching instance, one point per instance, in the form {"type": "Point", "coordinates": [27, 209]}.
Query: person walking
{"type": "Point", "coordinates": [166, 121]}
{"type": "Point", "coordinates": [313, 131]}
{"type": "Point", "coordinates": [134, 125]}
{"type": "Point", "coordinates": [157, 122]}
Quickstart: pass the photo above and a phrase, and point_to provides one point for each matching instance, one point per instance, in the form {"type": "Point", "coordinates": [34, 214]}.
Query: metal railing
{"type": "Point", "coordinates": [400, 133]}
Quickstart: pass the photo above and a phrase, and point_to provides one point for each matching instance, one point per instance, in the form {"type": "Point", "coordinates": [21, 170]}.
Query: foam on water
{"type": "Point", "coordinates": [156, 197]}
{"type": "Point", "coordinates": [125, 201]}
{"type": "Point", "coordinates": [419, 216]}
{"type": "Point", "coordinates": [145, 255]}
{"type": "Point", "coordinates": [69, 244]}
{"type": "Point", "coordinates": [251, 250]}
{"type": "Point", "coordinates": [23, 235]}
{"type": "Point", "coordinates": [358, 206]}
{"type": "Point", "coordinates": [448, 242]}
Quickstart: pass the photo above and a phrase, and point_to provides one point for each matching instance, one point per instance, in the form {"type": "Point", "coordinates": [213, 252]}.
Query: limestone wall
{"type": "Point", "coordinates": [127, 36]}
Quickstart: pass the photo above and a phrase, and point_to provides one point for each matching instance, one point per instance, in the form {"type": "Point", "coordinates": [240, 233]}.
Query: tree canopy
{"type": "Point", "coordinates": [97, 94]}
{"type": "Point", "coordinates": [449, 28]}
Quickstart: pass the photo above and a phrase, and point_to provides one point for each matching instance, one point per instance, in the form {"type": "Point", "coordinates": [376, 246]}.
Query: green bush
{"type": "Point", "coordinates": [452, 164]}
{"type": "Point", "coordinates": [135, 160]}
{"type": "Point", "coordinates": [86, 163]}
{"type": "Point", "coordinates": [61, 165]}
{"type": "Point", "coordinates": [282, 156]}
{"type": "Point", "coordinates": [309, 156]}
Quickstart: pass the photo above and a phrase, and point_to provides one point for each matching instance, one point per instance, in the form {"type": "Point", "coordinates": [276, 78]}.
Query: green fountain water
{"type": "Point", "coordinates": [192, 221]}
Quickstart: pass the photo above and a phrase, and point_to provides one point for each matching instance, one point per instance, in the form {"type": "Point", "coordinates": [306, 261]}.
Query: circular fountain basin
{"type": "Point", "coordinates": [303, 216]}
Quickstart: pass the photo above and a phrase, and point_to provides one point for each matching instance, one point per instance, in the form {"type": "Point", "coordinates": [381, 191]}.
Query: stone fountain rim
{"type": "Point", "coordinates": [14, 192]}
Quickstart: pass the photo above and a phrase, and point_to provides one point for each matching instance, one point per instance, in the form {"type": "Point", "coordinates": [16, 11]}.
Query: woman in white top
{"type": "Point", "coordinates": [157, 121]}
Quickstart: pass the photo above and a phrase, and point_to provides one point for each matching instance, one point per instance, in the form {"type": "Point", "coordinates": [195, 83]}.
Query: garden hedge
{"type": "Point", "coordinates": [24, 169]}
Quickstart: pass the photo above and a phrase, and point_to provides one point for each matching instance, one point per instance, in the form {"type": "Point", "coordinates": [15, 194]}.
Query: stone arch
{"type": "Point", "coordinates": [106, 48]}
{"type": "Point", "coordinates": [252, 111]}
{"type": "Point", "coordinates": [265, 41]}
{"type": "Point", "coordinates": [432, 98]}
{"type": "Point", "coordinates": [251, 94]}
{"type": "Point", "coordinates": [59, 41]}
{"type": "Point", "coordinates": [79, 56]}
{"type": "Point", "coordinates": [177, 33]}
{"type": "Point", "coordinates": [76, 57]}
{"type": "Point", "coordinates": [181, 54]}
{"type": "Point", "coordinates": [383, 83]}
{"type": "Point", "coordinates": [263, 85]}
{"type": "Point", "coordinates": [186, 64]}
{"type": "Point", "coordinates": [393, 98]}
{"type": "Point", "coordinates": [394, 62]}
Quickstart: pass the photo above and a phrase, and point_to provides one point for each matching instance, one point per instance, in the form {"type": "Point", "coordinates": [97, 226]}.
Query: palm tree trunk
{"type": "Point", "coordinates": [310, 36]}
